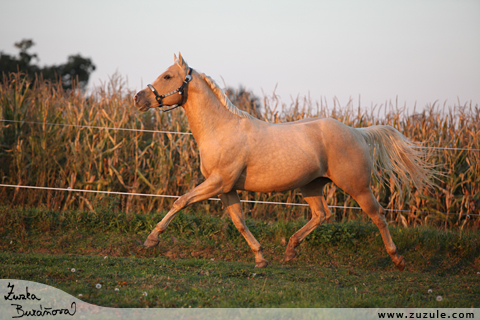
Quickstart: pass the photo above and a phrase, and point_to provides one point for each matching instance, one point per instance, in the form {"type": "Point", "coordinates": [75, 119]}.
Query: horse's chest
{"type": "Point", "coordinates": [208, 162]}
{"type": "Point", "coordinates": [222, 159]}
{"type": "Point", "coordinates": [204, 170]}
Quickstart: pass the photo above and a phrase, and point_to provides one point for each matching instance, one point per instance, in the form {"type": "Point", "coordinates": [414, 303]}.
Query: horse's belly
{"type": "Point", "coordinates": [277, 176]}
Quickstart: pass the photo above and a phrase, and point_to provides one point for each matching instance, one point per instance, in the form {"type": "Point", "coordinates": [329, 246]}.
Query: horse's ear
{"type": "Point", "coordinates": [181, 62]}
{"type": "Point", "coordinates": [175, 58]}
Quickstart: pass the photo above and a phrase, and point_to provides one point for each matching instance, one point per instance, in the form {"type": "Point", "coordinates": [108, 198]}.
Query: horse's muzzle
{"type": "Point", "coordinates": [140, 102]}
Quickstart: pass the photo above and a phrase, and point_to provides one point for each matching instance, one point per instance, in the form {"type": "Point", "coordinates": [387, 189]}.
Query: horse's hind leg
{"type": "Point", "coordinates": [234, 208]}
{"type": "Point", "coordinates": [313, 195]}
{"type": "Point", "coordinates": [370, 205]}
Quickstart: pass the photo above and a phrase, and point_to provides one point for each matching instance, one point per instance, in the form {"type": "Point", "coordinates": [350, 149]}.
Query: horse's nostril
{"type": "Point", "coordinates": [135, 98]}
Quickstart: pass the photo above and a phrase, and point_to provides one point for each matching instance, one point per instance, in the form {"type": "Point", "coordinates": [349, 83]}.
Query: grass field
{"type": "Point", "coordinates": [202, 261]}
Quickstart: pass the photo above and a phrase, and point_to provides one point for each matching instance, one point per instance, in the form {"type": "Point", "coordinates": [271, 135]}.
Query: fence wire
{"type": "Point", "coordinates": [211, 199]}
{"type": "Point", "coordinates": [183, 133]}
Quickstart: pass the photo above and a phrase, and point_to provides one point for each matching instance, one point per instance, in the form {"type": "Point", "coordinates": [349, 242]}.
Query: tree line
{"type": "Point", "coordinates": [75, 72]}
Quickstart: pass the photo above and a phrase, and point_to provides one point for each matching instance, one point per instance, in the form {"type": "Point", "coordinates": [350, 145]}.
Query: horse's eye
{"type": "Point", "coordinates": [167, 77]}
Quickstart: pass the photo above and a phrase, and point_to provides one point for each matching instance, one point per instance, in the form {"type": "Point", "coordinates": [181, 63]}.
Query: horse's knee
{"type": "Point", "coordinates": [179, 204]}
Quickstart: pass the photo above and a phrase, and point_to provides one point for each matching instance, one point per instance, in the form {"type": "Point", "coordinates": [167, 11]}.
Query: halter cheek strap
{"type": "Point", "coordinates": [181, 90]}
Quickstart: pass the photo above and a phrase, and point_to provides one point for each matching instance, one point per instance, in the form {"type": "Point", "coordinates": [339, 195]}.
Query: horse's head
{"type": "Point", "coordinates": [169, 89]}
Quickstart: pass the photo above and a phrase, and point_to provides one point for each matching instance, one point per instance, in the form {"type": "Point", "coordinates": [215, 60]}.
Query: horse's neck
{"type": "Point", "coordinates": [207, 117]}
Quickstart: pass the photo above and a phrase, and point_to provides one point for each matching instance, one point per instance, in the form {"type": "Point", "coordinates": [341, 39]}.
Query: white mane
{"type": "Point", "coordinates": [220, 94]}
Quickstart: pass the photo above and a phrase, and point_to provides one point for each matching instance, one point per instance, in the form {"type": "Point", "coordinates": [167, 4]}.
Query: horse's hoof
{"type": "Point", "coordinates": [261, 264]}
{"type": "Point", "coordinates": [289, 255]}
{"type": "Point", "coordinates": [151, 242]}
{"type": "Point", "coordinates": [401, 264]}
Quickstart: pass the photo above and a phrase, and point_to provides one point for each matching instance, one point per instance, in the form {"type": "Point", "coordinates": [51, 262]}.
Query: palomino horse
{"type": "Point", "coordinates": [240, 152]}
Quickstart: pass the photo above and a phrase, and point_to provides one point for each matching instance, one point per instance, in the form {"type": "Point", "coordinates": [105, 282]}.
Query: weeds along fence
{"type": "Point", "coordinates": [50, 138]}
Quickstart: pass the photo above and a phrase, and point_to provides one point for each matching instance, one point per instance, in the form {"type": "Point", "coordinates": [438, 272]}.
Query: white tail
{"type": "Point", "coordinates": [394, 154]}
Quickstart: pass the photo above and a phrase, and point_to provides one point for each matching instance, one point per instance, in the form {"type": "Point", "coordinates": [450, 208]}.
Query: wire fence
{"type": "Point", "coordinates": [94, 127]}
{"type": "Point", "coordinates": [211, 199]}
{"type": "Point", "coordinates": [183, 133]}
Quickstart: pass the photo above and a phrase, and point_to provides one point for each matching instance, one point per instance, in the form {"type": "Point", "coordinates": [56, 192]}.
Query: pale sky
{"type": "Point", "coordinates": [418, 50]}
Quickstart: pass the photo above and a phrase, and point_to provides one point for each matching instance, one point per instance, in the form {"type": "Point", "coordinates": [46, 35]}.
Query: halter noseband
{"type": "Point", "coordinates": [181, 90]}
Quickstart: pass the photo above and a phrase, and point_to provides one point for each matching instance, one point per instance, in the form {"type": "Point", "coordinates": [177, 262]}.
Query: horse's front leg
{"type": "Point", "coordinates": [234, 208]}
{"type": "Point", "coordinates": [209, 188]}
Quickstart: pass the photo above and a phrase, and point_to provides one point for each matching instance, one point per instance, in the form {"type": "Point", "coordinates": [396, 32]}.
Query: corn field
{"type": "Point", "coordinates": [40, 147]}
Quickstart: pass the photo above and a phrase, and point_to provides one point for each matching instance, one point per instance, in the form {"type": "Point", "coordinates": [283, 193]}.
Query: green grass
{"type": "Point", "coordinates": [202, 261]}
{"type": "Point", "coordinates": [205, 283]}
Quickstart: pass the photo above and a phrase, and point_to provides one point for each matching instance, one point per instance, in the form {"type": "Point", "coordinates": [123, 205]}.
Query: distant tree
{"type": "Point", "coordinates": [22, 63]}
{"type": "Point", "coordinates": [77, 69]}
{"type": "Point", "coordinates": [25, 57]}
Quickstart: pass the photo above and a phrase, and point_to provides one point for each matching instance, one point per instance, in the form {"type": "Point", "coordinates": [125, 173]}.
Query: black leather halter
{"type": "Point", "coordinates": [183, 89]}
